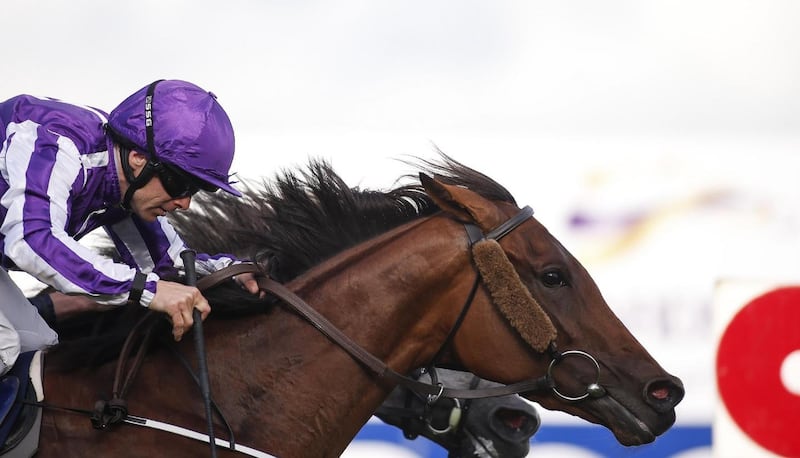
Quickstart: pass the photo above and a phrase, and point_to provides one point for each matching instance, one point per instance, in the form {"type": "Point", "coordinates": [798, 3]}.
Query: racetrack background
{"type": "Point", "coordinates": [657, 140]}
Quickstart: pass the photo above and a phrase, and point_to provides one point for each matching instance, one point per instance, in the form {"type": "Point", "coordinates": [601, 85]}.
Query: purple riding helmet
{"type": "Point", "coordinates": [184, 132]}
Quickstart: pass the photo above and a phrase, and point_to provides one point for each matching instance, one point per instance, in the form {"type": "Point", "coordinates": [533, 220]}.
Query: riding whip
{"type": "Point", "coordinates": [188, 257]}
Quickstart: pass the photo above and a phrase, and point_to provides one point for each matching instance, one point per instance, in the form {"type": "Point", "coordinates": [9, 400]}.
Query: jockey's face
{"type": "Point", "coordinates": [151, 200]}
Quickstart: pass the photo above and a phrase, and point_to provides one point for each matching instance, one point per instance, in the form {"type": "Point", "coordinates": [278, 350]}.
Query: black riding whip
{"type": "Point", "coordinates": [188, 257]}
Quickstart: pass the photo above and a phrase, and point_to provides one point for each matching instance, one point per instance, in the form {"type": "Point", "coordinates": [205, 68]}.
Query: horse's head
{"type": "Point", "coordinates": [486, 427]}
{"type": "Point", "coordinates": [539, 312]}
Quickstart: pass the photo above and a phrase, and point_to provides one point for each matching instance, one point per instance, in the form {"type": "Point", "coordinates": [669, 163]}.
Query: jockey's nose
{"type": "Point", "coordinates": [183, 202]}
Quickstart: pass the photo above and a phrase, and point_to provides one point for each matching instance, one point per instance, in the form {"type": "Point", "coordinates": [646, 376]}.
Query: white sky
{"type": "Point", "coordinates": [511, 88]}
{"type": "Point", "coordinates": [535, 94]}
{"type": "Point", "coordinates": [338, 78]}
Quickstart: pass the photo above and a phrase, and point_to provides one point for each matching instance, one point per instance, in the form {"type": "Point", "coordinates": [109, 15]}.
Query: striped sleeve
{"type": "Point", "coordinates": [156, 247]}
{"type": "Point", "coordinates": [41, 169]}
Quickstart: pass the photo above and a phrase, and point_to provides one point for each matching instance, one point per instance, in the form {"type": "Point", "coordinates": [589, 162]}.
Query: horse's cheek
{"type": "Point", "coordinates": [497, 342]}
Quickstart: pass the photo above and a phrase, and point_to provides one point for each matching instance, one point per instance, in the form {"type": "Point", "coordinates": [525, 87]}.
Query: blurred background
{"type": "Point", "coordinates": [657, 140]}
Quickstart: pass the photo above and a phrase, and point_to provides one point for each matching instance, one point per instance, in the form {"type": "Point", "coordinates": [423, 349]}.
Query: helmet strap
{"type": "Point", "coordinates": [137, 182]}
{"type": "Point", "coordinates": [134, 182]}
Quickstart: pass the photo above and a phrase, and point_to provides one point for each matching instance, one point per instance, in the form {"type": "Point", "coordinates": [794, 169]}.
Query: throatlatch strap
{"type": "Point", "coordinates": [138, 287]}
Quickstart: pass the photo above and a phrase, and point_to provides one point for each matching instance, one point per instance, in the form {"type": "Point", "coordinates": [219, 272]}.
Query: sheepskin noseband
{"type": "Point", "coordinates": [513, 299]}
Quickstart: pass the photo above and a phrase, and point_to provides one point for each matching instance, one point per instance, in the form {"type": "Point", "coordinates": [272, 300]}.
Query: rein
{"type": "Point", "coordinates": [379, 368]}
{"type": "Point", "coordinates": [437, 390]}
{"type": "Point", "coordinates": [367, 359]}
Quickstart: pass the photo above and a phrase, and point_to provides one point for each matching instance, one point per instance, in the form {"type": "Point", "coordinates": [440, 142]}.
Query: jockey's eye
{"type": "Point", "coordinates": [553, 279]}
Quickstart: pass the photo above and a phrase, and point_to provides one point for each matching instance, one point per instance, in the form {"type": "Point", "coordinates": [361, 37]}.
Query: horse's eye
{"type": "Point", "coordinates": [553, 279]}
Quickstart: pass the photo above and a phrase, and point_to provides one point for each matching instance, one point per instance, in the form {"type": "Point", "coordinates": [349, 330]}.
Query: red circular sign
{"type": "Point", "coordinates": [753, 347]}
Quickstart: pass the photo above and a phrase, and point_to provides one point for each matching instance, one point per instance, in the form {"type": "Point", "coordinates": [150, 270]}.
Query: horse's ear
{"type": "Point", "coordinates": [465, 205]}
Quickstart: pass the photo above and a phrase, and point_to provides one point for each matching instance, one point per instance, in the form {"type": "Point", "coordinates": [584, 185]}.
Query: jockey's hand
{"type": "Point", "coordinates": [178, 302]}
{"type": "Point", "coordinates": [248, 282]}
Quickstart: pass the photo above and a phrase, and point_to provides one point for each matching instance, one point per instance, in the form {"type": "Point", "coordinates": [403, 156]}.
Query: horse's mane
{"type": "Point", "coordinates": [287, 226]}
{"type": "Point", "coordinates": [299, 219]}
{"type": "Point", "coordinates": [303, 217]}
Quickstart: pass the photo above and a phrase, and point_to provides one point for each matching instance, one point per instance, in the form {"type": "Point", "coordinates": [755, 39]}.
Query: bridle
{"type": "Point", "coordinates": [444, 421]}
{"type": "Point", "coordinates": [434, 390]}
{"type": "Point", "coordinates": [419, 416]}
{"type": "Point", "coordinates": [475, 235]}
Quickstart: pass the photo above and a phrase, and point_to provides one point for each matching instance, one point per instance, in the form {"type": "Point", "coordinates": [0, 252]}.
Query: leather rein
{"type": "Point", "coordinates": [433, 391]}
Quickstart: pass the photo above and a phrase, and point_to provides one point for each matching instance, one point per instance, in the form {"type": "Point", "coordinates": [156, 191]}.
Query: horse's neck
{"type": "Point", "coordinates": [381, 295]}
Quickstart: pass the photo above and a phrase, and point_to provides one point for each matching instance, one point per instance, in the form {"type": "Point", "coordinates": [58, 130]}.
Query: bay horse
{"type": "Point", "coordinates": [458, 275]}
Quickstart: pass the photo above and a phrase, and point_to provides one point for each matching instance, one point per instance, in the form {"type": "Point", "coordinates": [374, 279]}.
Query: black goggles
{"type": "Point", "coordinates": [178, 183]}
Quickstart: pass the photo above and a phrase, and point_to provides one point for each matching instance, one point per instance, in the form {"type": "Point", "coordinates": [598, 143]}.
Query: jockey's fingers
{"type": "Point", "coordinates": [203, 306]}
{"type": "Point", "coordinates": [249, 283]}
{"type": "Point", "coordinates": [182, 313]}
{"type": "Point", "coordinates": [178, 325]}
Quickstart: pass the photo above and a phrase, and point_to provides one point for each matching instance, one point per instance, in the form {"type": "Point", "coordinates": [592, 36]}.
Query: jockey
{"type": "Point", "coordinates": [66, 170]}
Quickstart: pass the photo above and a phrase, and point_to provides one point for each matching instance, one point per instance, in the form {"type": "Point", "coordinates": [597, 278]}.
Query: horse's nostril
{"type": "Point", "coordinates": [661, 394]}
{"type": "Point", "coordinates": [513, 419]}
{"type": "Point", "coordinates": [664, 394]}
{"type": "Point", "coordinates": [512, 424]}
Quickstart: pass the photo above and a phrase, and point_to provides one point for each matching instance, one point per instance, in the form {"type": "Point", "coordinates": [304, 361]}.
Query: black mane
{"type": "Point", "coordinates": [302, 218]}
{"type": "Point", "coordinates": [297, 220]}
{"type": "Point", "coordinates": [288, 226]}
